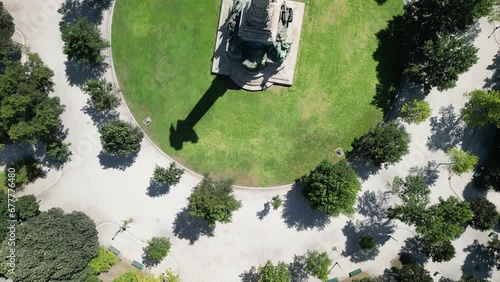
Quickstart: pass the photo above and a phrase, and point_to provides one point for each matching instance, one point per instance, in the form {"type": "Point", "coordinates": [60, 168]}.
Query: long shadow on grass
{"type": "Point", "coordinates": [298, 214]}
{"type": "Point", "coordinates": [184, 130]}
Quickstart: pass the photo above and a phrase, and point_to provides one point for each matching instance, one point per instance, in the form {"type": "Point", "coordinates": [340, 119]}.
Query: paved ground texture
{"type": "Point", "coordinates": [110, 193]}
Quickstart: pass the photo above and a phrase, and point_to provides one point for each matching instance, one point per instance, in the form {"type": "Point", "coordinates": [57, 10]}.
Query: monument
{"type": "Point", "coordinates": [257, 42]}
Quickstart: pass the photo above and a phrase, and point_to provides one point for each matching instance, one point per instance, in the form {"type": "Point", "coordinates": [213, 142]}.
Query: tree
{"type": "Point", "coordinates": [460, 161]}
{"type": "Point", "coordinates": [470, 278]}
{"type": "Point", "coordinates": [332, 188]}
{"type": "Point", "coordinates": [494, 250]}
{"type": "Point", "coordinates": [4, 215]}
{"type": "Point", "coordinates": [489, 179]}
{"type": "Point", "coordinates": [27, 170]}
{"type": "Point", "coordinates": [120, 138]}
{"type": "Point", "coordinates": [415, 111]}
{"type": "Point", "coordinates": [158, 248]}
{"type": "Point", "coordinates": [213, 200]}
{"type": "Point", "coordinates": [170, 176]}
{"type": "Point", "coordinates": [379, 278]}
{"type": "Point", "coordinates": [83, 42]}
{"type": "Point", "coordinates": [26, 207]}
{"type": "Point", "coordinates": [271, 273]}
{"type": "Point", "coordinates": [443, 221]}
{"type": "Point", "coordinates": [440, 252]}
{"type": "Point", "coordinates": [485, 214]}
{"type": "Point", "coordinates": [439, 62]}
{"type": "Point", "coordinates": [318, 264]}
{"type": "Point", "coordinates": [59, 151]}
{"type": "Point", "coordinates": [170, 276]}
{"type": "Point", "coordinates": [103, 262]}
{"type": "Point", "coordinates": [101, 94]}
{"type": "Point", "coordinates": [128, 277]}
{"type": "Point", "coordinates": [415, 196]}
{"type": "Point", "coordinates": [65, 244]}
{"type": "Point", "coordinates": [411, 272]}
{"type": "Point", "coordinates": [366, 242]}
{"type": "Point", "coordinates": [482, 108]}
{"type": "Point", "coordinates": [276, 202]}
{"type": "Point", "coordinates": [27, 113]}
{"type": "Point", "coordinates": [383, 144]}
{"type": "Point", "coordinates": [7, 30]}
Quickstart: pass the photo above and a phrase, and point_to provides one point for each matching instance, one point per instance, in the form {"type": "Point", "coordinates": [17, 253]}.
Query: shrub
{"type": "Point", "coordinates": [120, 138]}
{"type": "Point", "coordinates": [103, 262]}
{"type": "Point", "coordinates": [276, 202]}
{"type": "Point", "coordinates": [415, 111]}
{"type": "Point", "coordinates": [170, 176]}
{"type": "Point", "coordinates": [27, 170]}
{"type": "Point", "coordinates": [158, 248]}
{"type": "Point", "coordinates": [366, 242]}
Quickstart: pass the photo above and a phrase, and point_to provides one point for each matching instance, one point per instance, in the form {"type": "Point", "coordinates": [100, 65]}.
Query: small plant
{"type": "Point", "coordinates": [276, 202]}
{"type": "Point", "coordinates": [126, 222]}
{"type": "Point", "coordinates": [366, 242]}
{"type": "Point", "coordinates": [167, 176]}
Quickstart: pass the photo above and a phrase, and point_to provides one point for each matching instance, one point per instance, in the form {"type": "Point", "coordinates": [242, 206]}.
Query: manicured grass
{"type": "Point", "coordinates": [162, 51]}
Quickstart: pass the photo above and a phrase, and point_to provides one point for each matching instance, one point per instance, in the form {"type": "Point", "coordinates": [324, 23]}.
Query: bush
{"type": "Point", "coordinates": [120, 138]}
{"type": "Point", "coordinates": [384, 144]}
{"type": "Point", "coordinates": [27, 170]}
{"type": "Point", "coordinates": [439, 252]}
{"type": "Point", "coordinates": [416, 111]}
{"type": "Point", "coordinates": [158, 248]}
{"type": "Point", "coordinates": [26, 207]}
{"type": "Point", "coordinates": [170, 176]}
{"type": "Point", "coordinates": [318, 264]}
{"type": "Point", "coordinates": [366, 242]}
{"type": "Point", "coordinates": [276, 202]}
{"type": "Point", "coordinates": [103, 262]}
{"type": "Point", "coordinates": [332, 188]}
{"type": "Point", "coordinates": [485, 214]}
{"type": "Point", "coordinates": [128, 277]}
{"type": "Point", "coordinates": [101, 95]}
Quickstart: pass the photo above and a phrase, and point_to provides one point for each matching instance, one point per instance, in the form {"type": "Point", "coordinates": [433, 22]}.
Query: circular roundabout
{"type": "Point", "coordinates": [162, 53]}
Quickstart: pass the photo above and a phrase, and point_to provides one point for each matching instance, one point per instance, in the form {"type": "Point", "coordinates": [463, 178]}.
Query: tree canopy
{"type": "Point", "coordinates": [440, 252]}
{"type": "Point", "coordinates": [414, 194]}
{"type": "Point", "coordinates": [384, 144]}
{"type": "Point", "coordinates": [494, 250]}
{"type": "Point", "coordinates": [120, 138]}
{"type": "Point", "coordinates": [485, 214]}
{"type": "Point", "coordinates": [27, 170]}
{"type": "Point", "coordinates": [366, 242]}
{"type": "Point", "coordinates": [158, 248]}
{"type": "Point", "coordinates": [83, 42]}
{"type": "Point", "coordinates": [101, 94]}
{"type": "Point", "coordinates": [411, 272]}
{"type": "Point", "coordinates": [332, 188]}
{"type": "Point", "coordinates": [7, 29]}
{"type": "Point", "coordinates": [415, 111]}
{"type": "Point", "coordinates": [461, 161]}
{"type": "Point", "coordinates": [318, 264]}
{"type": "Point", "coordinates": [274, 273]}
{"type": "Point", "coordinates": [103, 262]}
{"type": "Point", "coordinates": [26, 207]}
{"type": "Point", "coordinates": [213, 200]}
{"type": "Point", "coordinates": [482, 108]}
{"type": "Point", "coordinates": [169, 176]}
{"type": "Point", "coordinates": [65, 243]}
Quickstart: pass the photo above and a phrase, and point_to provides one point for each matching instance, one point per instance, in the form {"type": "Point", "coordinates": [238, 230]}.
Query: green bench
{"type": "Point", "coordinates": [355, 272]}
{"type": "Point", "coordinates": [333, 280]}
{"type": "Point", "coordinates": [138, 265]}
{"type": "Point", "coordinates": [113, 250]}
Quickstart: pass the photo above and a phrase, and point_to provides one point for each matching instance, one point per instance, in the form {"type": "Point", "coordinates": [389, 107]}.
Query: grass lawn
{"type": "Point", "coordinates": [3, 177]}
{"type": "Point", "coordinates": [162, 51]}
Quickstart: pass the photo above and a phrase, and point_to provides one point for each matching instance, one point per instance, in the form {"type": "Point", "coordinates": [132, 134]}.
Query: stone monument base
{"type": "Point", "coordinates": [281, 73]}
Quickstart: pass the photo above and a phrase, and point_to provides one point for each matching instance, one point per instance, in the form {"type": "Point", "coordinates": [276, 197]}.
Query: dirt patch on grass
{"type": "Point", "coordinates": [334, 14]}
{"type": "Point", "coordinates": [117, 270]}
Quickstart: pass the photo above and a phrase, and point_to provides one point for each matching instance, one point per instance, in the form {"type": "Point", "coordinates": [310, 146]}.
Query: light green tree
{"type": "Point", "coordinates": [483, 107]}
{"type": "Point", "coordinates": [415, 111]}
{"type": "Point", "coordinates": [274, 273]}
{"type": "Point", "coordinates": [318, 264]}
{"type": "Point", "coordinates": [158, 248]}
{"type": "Point", "coordinates": [460, 161]}
{"type": "Point", "coordinates": [103, 262]}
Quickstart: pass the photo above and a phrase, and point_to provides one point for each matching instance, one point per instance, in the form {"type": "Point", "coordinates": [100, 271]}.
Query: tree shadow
{"type": "Point", "coordinates": [379, 230]}
{"type": "Point", "coordinates": [190, 228]}
{"type": "Point", "coordinates": [447, 131]}
{"type": "Point", "coordinates": [73, 10]}
{"type": "Point", "coordinates": [265, 211]}
{"type": "Point", "coordinates": [78, 74]}
{"type": "Point", "coordinates": [493, 82]}
{"type": "Point", "coordinates": [116, 161]}
{"type": "Point", "coordinates": [478, 262]}
{"type": "Point", "coordinates": [391, 55]}
{"type": "Point", "coordinates": [148, 261]}
{"type": "Point", "coordinates": [470, 192]}
{"type": "Point", "coordinates": [97, 116]}
{"type": "Point", "coordinates": [14, 152]}
{"type": "Point", "coordinates": [412, 249]}
{"type": "Point", "coordinates": [156, 190]}
{"type": "Point", "coordinates": [428, 172]}
{"type": "Point", "coordinates": [363, 168]}
{"type": "Point", "coordinates": [298, 214]}
{"type": "Point", "coordinates": [298, 269]}
{"type": "Point", "coordinates": [184, 129]}
{"type": "Point", "coordinates": [250, 275]}
{"type": "Point", "coordinates": [373, 204]}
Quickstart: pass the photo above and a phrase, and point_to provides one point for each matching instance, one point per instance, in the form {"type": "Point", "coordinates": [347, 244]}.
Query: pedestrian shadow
{"type": "Point", "coordinates": [156, 190]}
{"type": "Point", "coordinates": [373, 204]}
{"type": "Point", "coordinates": [478, 262]}
{"type": "Point", "coordinates": [78, 73]}
{"type": "Point", "coordinates": [298, 214]}
{"type": "Point", "coordinates": [265, 211]}
{"type": "Point", "coordinates": [427, 172]}
{"type": "Point", "coordinates": [250, 275]}
{"type": "Point", "coordinates": [412, 249]}
{"type": "Point", "coordinates": [447, 130]}
{"type": "Point", "coordinates": [191, 228]}
{"type": "Point", "coordinates": [73, 10]}
{"type": "Point", "coordinates": [116, 161]}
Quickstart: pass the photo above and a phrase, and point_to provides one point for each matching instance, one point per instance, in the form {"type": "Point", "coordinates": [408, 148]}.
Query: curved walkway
{"type": "Point", "coordinates": [110, 193]}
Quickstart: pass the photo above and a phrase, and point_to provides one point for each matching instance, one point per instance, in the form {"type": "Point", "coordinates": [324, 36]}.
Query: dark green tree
{"type": "Point", "coordinates": [213, 200]}
{"type": "Point", "coordinates": [83, 42]}
{"type": "Point", "coordinates": [101, 94]}
{"type": "Point", "coordinates": [379, 278]}
{"type": "Point", "coordinates": [4, 216]}
{"type": "Point", "coordinates": [158, 248]}
{"type": "Point", "coordinates": [332, 188]}
{"type": "Point", "coordinates": [470, 278]}
{"type": "Point", "coordinates": [318, 264]}
{"type": "Point", "coordinates": [439, 62]}
{"type": "Point", "coordinates": [485, 214]}
{"type": "Point", "coordinates": [482, 108]}
{"type": "Point", "coordinates": [366, 242]}
{"type": "Point", "coordinates": [414, 193]}
{"type": "Point", "coordinates": [53, 246]}
{"type": "Point", "coordinates": [26, 207]}
{"type": "Point", "coordinates": [383, 144]}
{"type": "Point", "coordinates": [411, 272]}
{"type": "Point", "coordinates": [168, 176]}
{"type": "Point", "coordinates": [59, 150]}
{"type": "Point", "coordinates": [6, 31]}
{"type": "Point", "coordinates": [274, 273]}
{"type": "Point", "coordinates": [440, 252]}
{"type": "Point", "coordinates": [120, 138]}
{"type": "Point", "coordinates": [494, 250]}
{"type": "Point", "coordinates": [27, 170]}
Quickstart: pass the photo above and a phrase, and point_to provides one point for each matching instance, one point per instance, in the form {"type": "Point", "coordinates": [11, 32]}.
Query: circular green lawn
{"type": "Point", "coordinates": [162, 51]}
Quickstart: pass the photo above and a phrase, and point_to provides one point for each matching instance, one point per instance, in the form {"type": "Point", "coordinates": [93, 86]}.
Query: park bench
{"type": "Point", "coordinates": [332, 280]}
{"type": "Point", "coordinates": [113, 250]}
{"type": "Point", "coordinates": [355, 272]}
{"type": "Point", "coordinates": [138, 265]}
